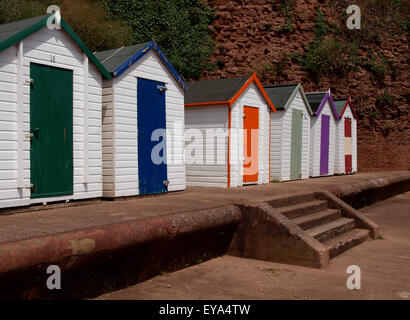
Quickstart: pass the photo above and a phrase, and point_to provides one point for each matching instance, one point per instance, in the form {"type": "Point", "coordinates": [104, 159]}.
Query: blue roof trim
{"type": "Point", "coordinates": [151, 45]}
{"type": "Point", "coordinates": [176, 75]}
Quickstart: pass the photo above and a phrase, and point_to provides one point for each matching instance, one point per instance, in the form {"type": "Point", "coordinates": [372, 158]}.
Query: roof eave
{"type": "Point", "coordinates": [151, 45]}
{"type": "Point", "coordinates": [349, 103]}
{"type": "Point", "coordinates": [86, 50]}
{"type": "Point", "coordinates": [252, 79]}
{"type": "Point", "coordinates": [42, 24]}
{"type": "Point", "coordinates": [5, 44]}
{"type": "Point", "coordinates": [328, 96]}
{"type": "Point", "coordinates": [295, 92]}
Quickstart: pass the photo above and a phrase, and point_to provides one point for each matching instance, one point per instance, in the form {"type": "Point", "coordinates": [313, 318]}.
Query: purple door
{"type": "Point", "coordinates": [324, 145]}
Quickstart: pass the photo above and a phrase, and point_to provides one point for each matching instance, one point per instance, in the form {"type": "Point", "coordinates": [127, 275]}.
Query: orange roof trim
{"type": "Point", "coordinates": [252, 79]}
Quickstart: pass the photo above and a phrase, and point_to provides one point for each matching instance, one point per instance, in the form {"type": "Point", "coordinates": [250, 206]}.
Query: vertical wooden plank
{"type": "Point", "coordinates": [20, 114]}
{"type": "Point", "coordinates": [85, 115]}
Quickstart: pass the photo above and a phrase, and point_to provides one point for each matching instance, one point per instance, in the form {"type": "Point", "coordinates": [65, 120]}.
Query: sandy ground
{"type": "Point", "coordinates": [384, 264]}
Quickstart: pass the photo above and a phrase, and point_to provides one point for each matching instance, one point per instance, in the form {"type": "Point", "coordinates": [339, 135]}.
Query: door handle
{"type": "Point", "coordinates": [35, 132]}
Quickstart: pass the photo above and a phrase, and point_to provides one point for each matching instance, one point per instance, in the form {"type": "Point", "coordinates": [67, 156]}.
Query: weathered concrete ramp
{"type": "Point", "coordinates": [307, 230]}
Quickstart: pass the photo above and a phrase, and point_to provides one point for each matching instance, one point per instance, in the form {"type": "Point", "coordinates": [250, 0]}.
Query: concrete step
{"type": "Point", "coordinates": [332, 229]}
{"type": "Point", "coordinates": [318, 218]}
{"type": "Point", "coordinates": [292, 200]}
{"type": "Point", "coordinates": [346, 241]}
{"type": "Point", "coordinates": [302, 209]}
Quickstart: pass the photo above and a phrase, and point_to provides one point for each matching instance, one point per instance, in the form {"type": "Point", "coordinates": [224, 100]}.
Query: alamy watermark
{"type": "Point", "coordinates": [54, 280]}
{"type": "Point", "coordinates": [354, 20]}
{"type": "Point", "coordinates": [354, 282]}
{"type": "Point", "coordinates": [54, 22]}
{"type": "Point", "coordinates": [208, 146]}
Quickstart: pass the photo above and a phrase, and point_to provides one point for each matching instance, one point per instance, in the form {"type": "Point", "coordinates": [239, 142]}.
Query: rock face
{"type": "Point", "coordinates": [248, 40]}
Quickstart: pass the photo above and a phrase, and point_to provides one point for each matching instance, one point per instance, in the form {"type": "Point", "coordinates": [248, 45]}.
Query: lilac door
{"type": "Point", "coordinates": [324, 145]}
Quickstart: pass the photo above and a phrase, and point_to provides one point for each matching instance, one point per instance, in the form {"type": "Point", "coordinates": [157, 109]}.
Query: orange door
{"type": "Point", "coordinates": [250, 144]}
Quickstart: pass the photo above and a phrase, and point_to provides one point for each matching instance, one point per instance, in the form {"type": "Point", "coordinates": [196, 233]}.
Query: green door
{"type": "Point", "coordinates": [296, 145]}
{"type": "Point", "coordinates": [51, 128]}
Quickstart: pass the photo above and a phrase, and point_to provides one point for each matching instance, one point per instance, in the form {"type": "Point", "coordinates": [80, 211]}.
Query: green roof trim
{"type": "Point", "coordinates": [7, 43]}
{"type": "Point", "coordinates": [299, 87]}
{"type": "Point", "coordinates": [42, 23]}
{"type": "Point", "coordinates": [87, 51]}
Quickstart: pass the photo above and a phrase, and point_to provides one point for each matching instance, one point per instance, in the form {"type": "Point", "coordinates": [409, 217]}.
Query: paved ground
{"type": "Point", "coordinates": [385, 266]}
{"type": "Point", "coordinates": [40, 221]}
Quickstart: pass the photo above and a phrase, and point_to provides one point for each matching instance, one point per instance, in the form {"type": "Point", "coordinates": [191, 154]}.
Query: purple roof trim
{"type": "Point", "coordinates": [332, 104]}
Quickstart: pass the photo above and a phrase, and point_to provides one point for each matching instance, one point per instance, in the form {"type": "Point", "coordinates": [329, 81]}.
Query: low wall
{"type": "Point", "coordinates": [96, 261]}
{"type": "Point", "coordinates": [362, 194]}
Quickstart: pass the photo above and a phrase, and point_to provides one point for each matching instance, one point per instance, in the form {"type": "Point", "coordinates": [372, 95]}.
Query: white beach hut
{"type": "Point", "coordinates": [227, 133]}
{"type": "Point", "coordinates": [143, 122]}
{"type": "Point", "coordinates": [322, 134]}
{"type": "Point", "coordinates": [50, 114]}
{"type": "Point", "coordinates": [346, 137]}
{"type": "Point", "coordinates": [290, 132]}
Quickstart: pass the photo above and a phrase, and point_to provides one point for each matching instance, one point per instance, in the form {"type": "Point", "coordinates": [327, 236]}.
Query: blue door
{"type": "Point", "coordinates": [152, 172]}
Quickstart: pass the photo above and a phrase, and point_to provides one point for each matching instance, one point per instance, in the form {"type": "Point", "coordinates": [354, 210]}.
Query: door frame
{"type": "Point", "coordinates": [296, 175]}
{"type": "Point", "coordinates": [348, 157]}
{"type": "Point", "coordinates": [322, 170]}
{"type": "Point", "coordinates": [60, 196]}
{"type": "Point", "coordinates": [254, 178]}
{"type": "Point", "coordinates": [139, 149]}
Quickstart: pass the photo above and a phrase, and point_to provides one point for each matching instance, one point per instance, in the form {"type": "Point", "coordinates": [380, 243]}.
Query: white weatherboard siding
{"type": "Point", "coordinates": [340, 143]}
{"type": "Point", "coordinates": [108, 129]}
{"type": "Point", "coordinates": [281, 138]}
{"type": "Point", "coordinates": [276, 145]}
{"type": "Point", "coordinates": [315, 141]}
{"type": "Point", "coordinates": [354, 144]}
{"type": "Point", "coordinates": [120, 141]}
{"type": "Point", "coordinates": [251, 97]}
{"type": "Point", "coordinates": [206, 158]}
{"type": "Point", "coordinates": [43, 47]}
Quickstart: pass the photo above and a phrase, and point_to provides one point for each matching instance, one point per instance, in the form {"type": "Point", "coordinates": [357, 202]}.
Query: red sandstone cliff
{"type": "Point", "coordinates": [247, 40]}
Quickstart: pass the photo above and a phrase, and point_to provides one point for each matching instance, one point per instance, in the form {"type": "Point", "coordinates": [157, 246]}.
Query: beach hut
{"type": "Point", "coordinates": [290, 132]}
{"type": "Point", "coordinates": [143, 122]}
{"type": "Point", "coordinates": [322, 134]}
{"type": "Point", "coordinates": [227, 124]}
{"type": "Point", "coordinates": [346, 137]}
{"type": "Point", "coordinates": [50, 114]}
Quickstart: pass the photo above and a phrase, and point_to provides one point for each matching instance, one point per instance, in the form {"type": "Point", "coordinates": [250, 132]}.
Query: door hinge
{"type": "Point", "coordinates": [166, 183]}
{"type": "Point", "coordinates": [162, 88]}
{"type": "Point", "coordinates": [32, 187]}
{"type": "Point", "coordinates": [30, 82]}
